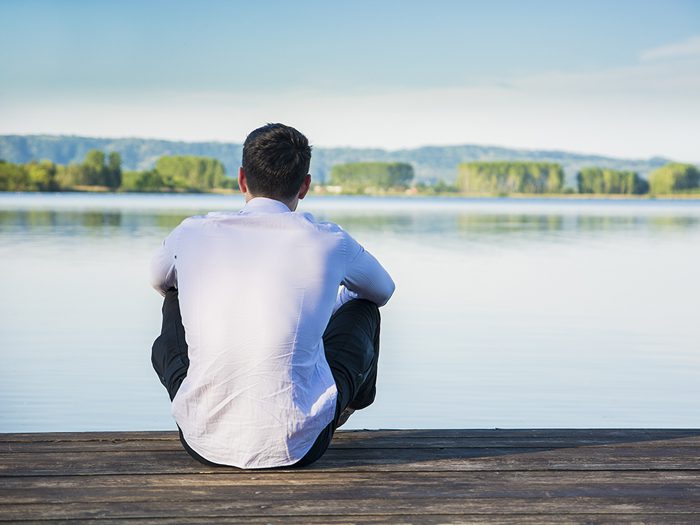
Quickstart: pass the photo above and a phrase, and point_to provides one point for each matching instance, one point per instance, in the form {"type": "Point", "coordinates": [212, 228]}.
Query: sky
{"type": "Point", "coordinates": [614, 78]}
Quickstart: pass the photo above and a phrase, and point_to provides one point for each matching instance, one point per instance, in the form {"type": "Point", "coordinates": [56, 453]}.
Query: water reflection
{"type": "Point", "coordinates": [507, 313]}
{"type": "Point", "coordinates": [88, 223]}
{"type": "Point", "coordinates": [100, 223]}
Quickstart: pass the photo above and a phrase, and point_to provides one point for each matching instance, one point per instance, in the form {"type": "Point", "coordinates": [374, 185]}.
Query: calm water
{"type": "Point", "coordinates": [508, 313]}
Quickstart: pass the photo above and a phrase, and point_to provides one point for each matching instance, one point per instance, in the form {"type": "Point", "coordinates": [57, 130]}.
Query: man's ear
{"type": "Point", "coordinates": [305, 187]}
{"type": "Point", "coordinates": [242, 181]}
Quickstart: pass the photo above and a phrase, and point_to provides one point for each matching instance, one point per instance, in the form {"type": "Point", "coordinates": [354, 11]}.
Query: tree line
{"type": "Point", "coordinates": [180, 173]}
{"type": "Point", "coordinates": [516, 177]}
{"type": "Point", "coordinates": [200, 174]}
{"type": "Point", "coordinates": [355, 177]}
{"type": "Point", "coordinates": [510, 177]}
{"type": "Point", "coordinates": [601, 180]}
{"type": "Point", "coordinates": [533, 177]}
{"type": "Point", "coordinates": [103, 171]}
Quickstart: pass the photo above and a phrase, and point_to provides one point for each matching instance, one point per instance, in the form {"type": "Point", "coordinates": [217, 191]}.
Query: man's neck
{"type": "Point", "coordinates": [291, 204]}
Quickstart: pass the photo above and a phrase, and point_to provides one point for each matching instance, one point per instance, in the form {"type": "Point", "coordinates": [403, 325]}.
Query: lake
{"type": "Point", "coordinates": [507, 313]}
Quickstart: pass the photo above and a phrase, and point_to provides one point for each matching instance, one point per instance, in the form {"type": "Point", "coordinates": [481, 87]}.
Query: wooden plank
{"type": "Point", "coordinates": [564, 433]}
{"type": "Point", "coordinates": [360, 441]}
{"type": "Point", "coordinates": [31, 437]}
{"type": "Point", "coordinates": [422, 476]}
{"type": "Point", "coordinates": [310, 484]}
{"type": "Point", "coordinates": [609, 457]}
{"type": "Point", "coordinates": [400, 519]}
{"type": "Point", "coordinates": [350, 507]}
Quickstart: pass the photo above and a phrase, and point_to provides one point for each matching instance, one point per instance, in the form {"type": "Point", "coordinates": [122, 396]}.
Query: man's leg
{"type": "Point", "coordinates": [169, 351]}
{"type": "Point", "coordinates": [351, 342]}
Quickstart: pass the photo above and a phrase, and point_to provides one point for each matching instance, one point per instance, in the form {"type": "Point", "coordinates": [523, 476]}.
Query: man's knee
{"type": "Point", "coordinates": [371, 308]}
{"type": "Point", "coordinates": [372, 318]}
{"type": "Point", "coordinates": [360, 309]}
{"type": "Point", "coordinates": [355, 325]}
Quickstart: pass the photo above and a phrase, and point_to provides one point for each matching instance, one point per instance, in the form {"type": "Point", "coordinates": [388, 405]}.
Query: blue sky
{"type": "Point", "coordinates": [619, 78]}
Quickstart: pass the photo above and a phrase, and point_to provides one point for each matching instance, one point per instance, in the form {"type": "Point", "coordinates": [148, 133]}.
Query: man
{"type": "Point", "coordinates": [270, 333]}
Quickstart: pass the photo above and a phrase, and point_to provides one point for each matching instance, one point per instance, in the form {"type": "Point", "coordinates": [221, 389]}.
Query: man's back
{"type": "Point", "coordinates": [256, 290]}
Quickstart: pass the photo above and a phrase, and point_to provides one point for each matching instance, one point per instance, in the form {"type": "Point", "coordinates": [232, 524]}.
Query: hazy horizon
{"type": "Point", "coordinates": [342, 146]}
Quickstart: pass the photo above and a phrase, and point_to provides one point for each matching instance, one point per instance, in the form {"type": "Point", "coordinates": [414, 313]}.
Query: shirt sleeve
{"type": "Point", "coordinates": [365, 278]}
{"type": "Point", "coordinates": [344, 295]}
{"type": "Point", "coordinates": [163, 271]}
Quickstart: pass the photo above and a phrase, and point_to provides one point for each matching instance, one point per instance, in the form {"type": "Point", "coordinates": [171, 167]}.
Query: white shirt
{"type": "Point", "coordinates": [256, 291]}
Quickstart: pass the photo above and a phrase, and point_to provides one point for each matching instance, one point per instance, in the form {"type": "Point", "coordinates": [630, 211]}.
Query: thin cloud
{"type": "Point", "coordinates": [687, 48]}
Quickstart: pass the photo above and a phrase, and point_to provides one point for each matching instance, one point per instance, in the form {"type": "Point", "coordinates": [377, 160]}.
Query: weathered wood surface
{"type": "Point", "coordinates": [406, 476]}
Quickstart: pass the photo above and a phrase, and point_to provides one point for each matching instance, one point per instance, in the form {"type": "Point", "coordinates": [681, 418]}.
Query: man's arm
{"type": "Point", "coordinates": [163, 273]}
{"type": "Point", "coordinates": [365, 278]}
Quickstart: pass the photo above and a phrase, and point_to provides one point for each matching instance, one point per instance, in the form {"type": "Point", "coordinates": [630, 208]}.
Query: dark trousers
{"type": "Point", "coordinates": [351, 342]}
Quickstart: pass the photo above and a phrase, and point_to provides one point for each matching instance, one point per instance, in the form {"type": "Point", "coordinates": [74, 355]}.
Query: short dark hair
{"type": "Point", "coordinates": [276, 158]}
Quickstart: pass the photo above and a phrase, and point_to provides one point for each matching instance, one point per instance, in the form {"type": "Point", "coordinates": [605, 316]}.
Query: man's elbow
{"type": "Point", "coordinates": [162, 284]}
{"type": "Point", "coordinates": [158, 287]}
{"type": "Point", "coordinates": [162, 274]}
{"type": "Point", "coordinates": [386, 292]}
{"type": "Point", "coordinates": [157, 280]}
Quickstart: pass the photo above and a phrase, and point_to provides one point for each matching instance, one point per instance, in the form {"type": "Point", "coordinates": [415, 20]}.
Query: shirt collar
{"type": "Point", "coordinates": [265, 205]}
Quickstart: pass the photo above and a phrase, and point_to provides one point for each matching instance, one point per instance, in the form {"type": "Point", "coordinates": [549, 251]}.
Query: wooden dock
{"type": "Point", "coordinates": [388, 476]}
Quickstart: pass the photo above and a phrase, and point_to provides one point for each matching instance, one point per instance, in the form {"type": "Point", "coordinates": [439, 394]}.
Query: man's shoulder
{"type": "Point", "coordinates": [188, 227]}
{"type": "Point", "coordinates": [324, 226]}
{"type": "Point", "coordinates": [198, 220]}
{"type": "Point", "coordinates": [188, 222]}
{"type": "Point", "coordinates": [305, 219]}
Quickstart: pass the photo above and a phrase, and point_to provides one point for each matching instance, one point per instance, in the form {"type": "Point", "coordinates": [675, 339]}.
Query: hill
{"type": "Point", "coordinates": [431, 163]}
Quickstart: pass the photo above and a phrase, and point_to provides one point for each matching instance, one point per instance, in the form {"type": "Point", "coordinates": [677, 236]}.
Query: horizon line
{"type": "Point", "coordinates": [390, 150]}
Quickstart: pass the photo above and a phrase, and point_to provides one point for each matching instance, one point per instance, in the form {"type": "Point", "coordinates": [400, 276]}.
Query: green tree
{"type": "Point", "coordinates": [94, 172]}
{"type": "Point", "coordinates": [364, 176]}
{"type": "Point", "coordinates": [555, 178]}
{"type": "Point", "coordinates": [149, 180]}
{"type": "Point", "coordinates": [97, 169]}
{"type": "Point", "coordinates": [229, 183]}
{"type": "Point", "coordinates": [13, 177]}
{"type": "Point", "coordinates": [71, 175]}
{"type": "Point", "coordinates": [113, 177]}
{"type": "Point", "coordinates": [442, 187]}
{"type": "Point", "coordinates": [674, 178]}
{"type": "Point", "coordinates": [603, 180]}
{"type": "Point", "coordinates": [510, 177]}
{"type": "Point", "coordinates": [42, 175]}
{"type": "Point", "coordinates": [191, 173]}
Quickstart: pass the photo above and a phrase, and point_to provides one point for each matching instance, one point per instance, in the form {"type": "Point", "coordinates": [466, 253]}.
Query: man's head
{"type": "Point", "coordinates": [276, 161]}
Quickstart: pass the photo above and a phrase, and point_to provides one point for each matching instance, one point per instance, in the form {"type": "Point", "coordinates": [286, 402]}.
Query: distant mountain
{"type": "Point", "coordinates": [430, 163]}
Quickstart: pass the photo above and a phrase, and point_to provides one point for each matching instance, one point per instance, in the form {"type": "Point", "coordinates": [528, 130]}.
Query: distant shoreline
{"type": "Point", "coordinates": [85, 190]}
